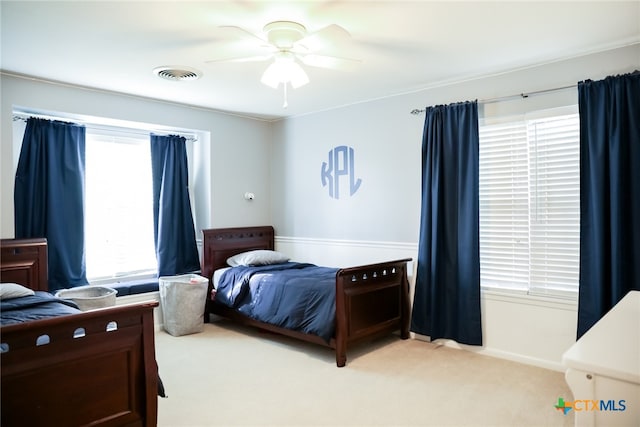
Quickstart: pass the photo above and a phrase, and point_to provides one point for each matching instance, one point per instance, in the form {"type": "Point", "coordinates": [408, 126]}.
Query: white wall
{"type": "Point", "coordinates": [385, 211]}
{"type": "Point", "coordinates": [386, 140]}
{"type": "Point", "coordinates": [230, 150]}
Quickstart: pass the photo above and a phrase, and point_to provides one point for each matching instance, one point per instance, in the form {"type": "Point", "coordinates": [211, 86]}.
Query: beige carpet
{"type": "Point", "coordinates": [234, 376]}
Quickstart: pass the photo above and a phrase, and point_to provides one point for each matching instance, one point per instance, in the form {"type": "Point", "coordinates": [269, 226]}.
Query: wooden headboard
{"type": "Point", "coordinates": [221, 243]}
{"type": "Point", "coordinates": [24, 261]}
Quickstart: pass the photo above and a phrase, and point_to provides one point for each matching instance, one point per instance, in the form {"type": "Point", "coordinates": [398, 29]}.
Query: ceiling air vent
{"type": "Point", "coordinates": [177, 73]}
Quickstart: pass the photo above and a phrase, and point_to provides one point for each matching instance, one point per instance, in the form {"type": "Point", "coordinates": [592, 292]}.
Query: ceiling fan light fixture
{"type": "Point", "coordinates": [284, 69]}
{"type": "Point", "coordinates": [284, 33]}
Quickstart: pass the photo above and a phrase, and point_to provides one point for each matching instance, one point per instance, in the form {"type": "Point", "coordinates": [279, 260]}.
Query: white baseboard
{"type": "Point", "coordinates": [541, 363]}
{"type": "Point", "coordinates": [492, 352]}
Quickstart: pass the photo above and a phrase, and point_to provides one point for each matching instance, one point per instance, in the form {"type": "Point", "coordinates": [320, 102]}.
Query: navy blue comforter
{"type": "Point", "coordinates": [292, 295]}
{"type": "Point", "coordinates": [42, 305]}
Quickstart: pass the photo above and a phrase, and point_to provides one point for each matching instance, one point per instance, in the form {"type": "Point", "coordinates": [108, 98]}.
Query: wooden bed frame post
{"type": "Point", "coordinates": [405, 321]}
{"type": "Point", "coordinates": [342, 326]}
{"type": "Point", "coordinates": [150, 366]}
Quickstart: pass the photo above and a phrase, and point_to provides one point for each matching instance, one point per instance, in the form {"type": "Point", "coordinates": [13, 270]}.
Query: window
{"type": "Point", "coordinates": [119, 234]}
{"type": "Point", "coordinates": [118, 215]}
{"type": "Point", "coordinates": [530, 205]}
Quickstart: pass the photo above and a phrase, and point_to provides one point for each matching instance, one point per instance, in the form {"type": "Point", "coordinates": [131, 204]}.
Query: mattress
{"type": "Point", "coordinates": [41, 305]}
{"type": "Point", "coordinates": [295, 296]}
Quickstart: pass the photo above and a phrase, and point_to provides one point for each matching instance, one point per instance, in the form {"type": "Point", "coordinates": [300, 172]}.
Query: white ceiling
{"type": "Point", "coordinates": [403, 46]}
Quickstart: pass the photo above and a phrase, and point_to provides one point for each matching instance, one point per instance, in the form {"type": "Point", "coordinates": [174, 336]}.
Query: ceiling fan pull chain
{"type": "Point", "coordinates": [286, 104]}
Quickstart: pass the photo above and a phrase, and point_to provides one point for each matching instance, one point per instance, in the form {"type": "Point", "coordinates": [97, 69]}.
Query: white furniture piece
{"type": "Point", "coordinates": [603, 368]}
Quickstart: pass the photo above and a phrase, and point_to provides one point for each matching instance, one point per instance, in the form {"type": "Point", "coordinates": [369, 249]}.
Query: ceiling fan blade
{"type": "Point", "coordinates": [332, 62]}
{"type": "Point", "coordinates": [329, 36]}
{"type": "Point", "coordinates": [245, 35]}
{"type": "Point", "coordinates": [256, 58]}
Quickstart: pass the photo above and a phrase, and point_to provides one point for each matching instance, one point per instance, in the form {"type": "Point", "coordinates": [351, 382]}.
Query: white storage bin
{"type": "Point", "coordinates": [182, 300]}
{"type": "Point", "coordinates": [89, 297]}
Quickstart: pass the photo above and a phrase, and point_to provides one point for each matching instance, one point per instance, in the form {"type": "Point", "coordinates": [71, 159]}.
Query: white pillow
{"type": "Point", "coordinates": [257, 257]}
{"type": "Point", "coordinates": [13, 290]}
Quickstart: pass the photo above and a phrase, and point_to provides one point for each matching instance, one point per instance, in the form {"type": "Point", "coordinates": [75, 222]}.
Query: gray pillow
{"type": "Point", "coordinates": [257, 257]}
{"type": "Point", "coordinates": [14, 290]}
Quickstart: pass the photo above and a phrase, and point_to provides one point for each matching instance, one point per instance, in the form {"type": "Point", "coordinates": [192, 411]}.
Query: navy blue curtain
{"type": "Point", "coordinates": [609, 194]}
{"type": "Point", "coordinates": [49, 196]}
{"type": "Point", "coordinates": [447, 292]}
{"type": "Point", "coordinates": [174, 233]}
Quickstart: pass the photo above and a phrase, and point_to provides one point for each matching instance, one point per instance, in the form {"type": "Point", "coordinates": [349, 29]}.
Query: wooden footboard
{"type": "Point", "coordinates": [92, 368]}
{"type": "Point", "coordinates": [371, 300]}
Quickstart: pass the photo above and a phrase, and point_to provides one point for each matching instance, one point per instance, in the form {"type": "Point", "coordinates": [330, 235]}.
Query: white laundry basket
{"type": "Point", "coordinates": [90, 297]}
{"type": "Point", "coordinates": [182, 300]}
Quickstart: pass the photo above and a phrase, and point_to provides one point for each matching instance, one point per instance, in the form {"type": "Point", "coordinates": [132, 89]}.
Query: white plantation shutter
{"type": "Point", "coordinates": [529, 205]}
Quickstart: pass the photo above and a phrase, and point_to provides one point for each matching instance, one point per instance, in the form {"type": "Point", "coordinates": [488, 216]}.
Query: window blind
{"type": "Point", "coordinates": [554, 153]}
{"type": "Point", "coordinates": [529, 205]}
{"type": "Point", "coordinates": [504, 206]}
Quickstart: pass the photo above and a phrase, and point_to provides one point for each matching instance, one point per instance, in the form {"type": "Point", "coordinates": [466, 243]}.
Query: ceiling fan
{"type": "Point", "coordinates": [288, 45]}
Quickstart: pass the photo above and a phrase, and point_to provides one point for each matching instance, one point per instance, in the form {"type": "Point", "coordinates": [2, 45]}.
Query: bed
{"type": "Point", "coordinates": [369, 300]}
{"type": "Point", "coordinates": [81, 368]}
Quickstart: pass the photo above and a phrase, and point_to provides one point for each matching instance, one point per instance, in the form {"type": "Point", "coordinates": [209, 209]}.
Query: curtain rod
{"type": "Point", "coordinates": [508, 97]}
{"type": "Point", "coordinates": [96, 126]}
